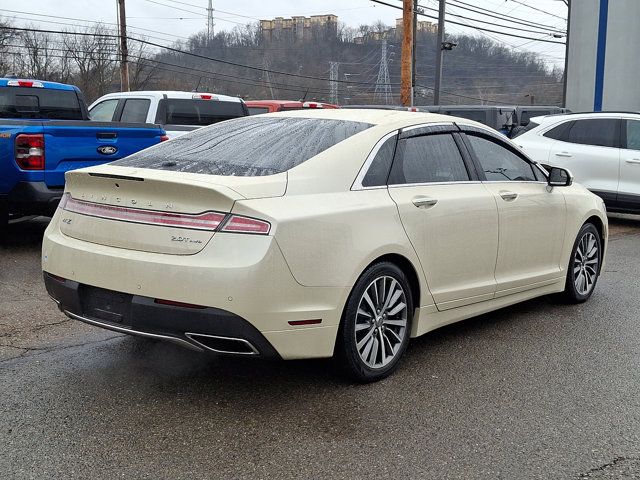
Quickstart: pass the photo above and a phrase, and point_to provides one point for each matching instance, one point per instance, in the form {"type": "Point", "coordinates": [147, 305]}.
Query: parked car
{"type": "Point", "coordinates": [176, 112]}
{"type": "Point", "coordinates": [319, 232]}
{"type": "Point", "coordinates": [44, 133]}
{"type": "Point", "coordinates": [257, 107]}
{"type": "Point", "coordinates": [601, 149]}
{"type": "Point", "coordinates": [524, 114]}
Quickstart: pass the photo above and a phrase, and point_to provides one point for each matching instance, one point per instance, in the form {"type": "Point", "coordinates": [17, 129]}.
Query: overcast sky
{"type": "Point", "coordinates": [181, 18]}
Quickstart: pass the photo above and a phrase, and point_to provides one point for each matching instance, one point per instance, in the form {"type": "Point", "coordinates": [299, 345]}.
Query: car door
{"type": "Point", "coordinates": [449, 216]}
{"type": "Point", "coordinates": [629, 185]}
{"type": "Point", "coordinates": [590, 149]}
{"type": "Point", "coordinates": [531, 214]}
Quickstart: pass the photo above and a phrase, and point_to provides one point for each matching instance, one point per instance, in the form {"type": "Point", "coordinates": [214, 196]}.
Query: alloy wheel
{"type": "Point", "coordinates": [585, 264]}
{"type": "Point", "coordinates": [381, 322]}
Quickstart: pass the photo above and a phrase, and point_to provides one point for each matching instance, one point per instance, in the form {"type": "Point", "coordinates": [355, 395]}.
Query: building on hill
{"type": "Point", "coordinates": [394, 32]}
{"type": "Point", "coordinates": [299, 28]}
{"type": "Point", "coordinates": [421, 26]}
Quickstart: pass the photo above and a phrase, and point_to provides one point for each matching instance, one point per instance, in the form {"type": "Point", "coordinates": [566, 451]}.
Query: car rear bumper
{"type": "Point", "coordinates": [201, 329]}
{"type": "Point", "coordinates": [34, 198]}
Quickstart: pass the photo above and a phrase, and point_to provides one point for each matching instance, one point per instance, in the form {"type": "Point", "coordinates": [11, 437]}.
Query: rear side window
{"type": "Point", "coordinates": [381, 164]}
{"type": "Point", "coordinates": [500, 164]}
{"type": "Point", "coordinates": [602, 132]}
{"type": "Point", "coordinates": [560, 132]}
{"type": "Point", "coordinates": [34, 102]}
{"type": "Point", "coordinates": [246, 147]}
{"type": "Point", "coordinates": [135, 110]}
{"type": "Point", "coordinates": [187, 111]}
{"type": "Point", "coordinates": [633, 134]}
{"type": "Point", "coordinates": [103, 111]}
{"type": "Point", "coordinates": [428, 159]}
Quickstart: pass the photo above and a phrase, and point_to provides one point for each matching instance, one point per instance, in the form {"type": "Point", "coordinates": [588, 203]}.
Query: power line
{"type": "Point", "coordinates": [469, 26]}
{"type": "Point", "coordinates": [494, 14]}
{"type": "Point", "coordinates": [488, 22]}
{"type": "Point", "coordinates": [538, 9]}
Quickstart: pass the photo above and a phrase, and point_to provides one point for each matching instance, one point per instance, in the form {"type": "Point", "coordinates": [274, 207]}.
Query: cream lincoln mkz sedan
{"type": "Point", "coordinates": [319, 233]}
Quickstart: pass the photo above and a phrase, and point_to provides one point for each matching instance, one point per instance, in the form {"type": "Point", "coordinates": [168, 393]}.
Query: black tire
{"type": "Point", "coordinates": [4, 218]}
{"type": "Point", "coordinates": [572, 291]}
{"type": "Point", "coordinates": [347, 352]}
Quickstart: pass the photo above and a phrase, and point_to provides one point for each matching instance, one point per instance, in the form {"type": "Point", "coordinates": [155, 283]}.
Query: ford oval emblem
{"type": "Point", "coordinates": [107, 149]}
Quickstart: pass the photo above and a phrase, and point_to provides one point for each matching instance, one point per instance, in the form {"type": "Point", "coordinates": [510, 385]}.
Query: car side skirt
{"type": "Point", "coordinates": [428, 319]}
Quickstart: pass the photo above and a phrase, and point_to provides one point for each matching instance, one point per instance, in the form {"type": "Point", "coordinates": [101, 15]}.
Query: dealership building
{"type": "Point", "coordinates": [603, 65]}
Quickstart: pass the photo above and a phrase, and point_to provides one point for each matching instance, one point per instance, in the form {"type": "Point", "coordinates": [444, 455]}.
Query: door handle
{"type": "Point", "coordinates": [508, 196]}
{"type": "Point", "coordinates": [424, 202]}
{"type": "Point", "coordinates": [563, 154]}
{"type": "Point", "coordinates": [107, 135]}
{"type": "Point", "coordinates": [635, 160]}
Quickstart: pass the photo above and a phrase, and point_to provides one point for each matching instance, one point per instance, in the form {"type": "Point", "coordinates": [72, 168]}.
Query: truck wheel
{"type": "Point", "coordinates": [4, 217]}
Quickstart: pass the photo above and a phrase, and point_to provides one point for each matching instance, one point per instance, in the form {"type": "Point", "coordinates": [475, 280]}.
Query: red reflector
{"type": "Point", "coordinates": [164, 138]}
{"type": "Point", "coordinates": [29, 151]}
{"type": "Point", "coordinates": [171, 303]}
{"type": "Point", "coordinates": [239, 224]}
{"type": "Point", "coordinates": [56, 277]}
{"type": "Point", "coordinates": [204, 221]}
{"type": "Point", "coordinates": [306, 322]}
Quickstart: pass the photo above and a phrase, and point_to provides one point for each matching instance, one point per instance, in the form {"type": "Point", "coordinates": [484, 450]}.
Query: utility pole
{"type": "Point", "coordinates": [124, 51]}
{"type": "Point", "coordinates": [333, 81]}
{"type": "Point", "coordinates": [210, 23]}
{"type": "Point", "coordinates": [407, 53]}
{"type": "Point", "coordinates": [413, 52]}
{"type": "Point", "coordinates": [439, 52]}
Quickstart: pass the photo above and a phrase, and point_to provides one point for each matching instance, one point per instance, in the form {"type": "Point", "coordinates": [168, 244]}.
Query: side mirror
{"type": "Point", "coordinates": [559, 177]}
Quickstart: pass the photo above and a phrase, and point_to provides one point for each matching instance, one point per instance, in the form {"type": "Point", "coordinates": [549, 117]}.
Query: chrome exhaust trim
{"type": "Point", "coordinates": [194, 337]}
{"type": "Point", "coordinates": [115, 328]}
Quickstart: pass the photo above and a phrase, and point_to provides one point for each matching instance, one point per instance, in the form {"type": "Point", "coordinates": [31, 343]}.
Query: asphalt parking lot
{"type": "Point", "coordinates": [538, 390]}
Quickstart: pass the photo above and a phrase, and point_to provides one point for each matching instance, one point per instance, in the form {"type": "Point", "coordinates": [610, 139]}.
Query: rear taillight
{"type": "Point", "coordinates": [164, 138]}
{"type": "Point", "coordinates": [25, 83]}
{"type": "Point", "coordinates": [203, 221]}
{"type": "Point", "coordinates": [30, 151]}
{"type": "Point", "coordinates": [209, 221]}
{"type": "Point", "coordinates": [240, 224]}
{"type": "Point", "coordinates": [204, 96]}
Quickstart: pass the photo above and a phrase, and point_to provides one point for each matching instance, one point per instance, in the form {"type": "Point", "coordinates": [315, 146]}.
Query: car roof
{"type": "Point", "coordinates": [169, 94]}
{"type": "Point", "coordinates": [559, 117]}
{"type": "Point", "coordinates": [391, 118]}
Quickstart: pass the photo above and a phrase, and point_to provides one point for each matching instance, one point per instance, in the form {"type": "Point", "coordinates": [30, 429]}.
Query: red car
{"type": "Point", "coordinates": [267, 106]}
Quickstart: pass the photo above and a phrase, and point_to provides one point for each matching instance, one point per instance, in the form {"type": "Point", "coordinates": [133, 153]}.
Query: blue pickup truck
{"type": "Point", "coordinates": [44, 132]}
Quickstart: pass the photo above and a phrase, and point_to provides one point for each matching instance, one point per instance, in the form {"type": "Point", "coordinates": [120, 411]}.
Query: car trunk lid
{"type": "Point", "coordinates": [152, 210]}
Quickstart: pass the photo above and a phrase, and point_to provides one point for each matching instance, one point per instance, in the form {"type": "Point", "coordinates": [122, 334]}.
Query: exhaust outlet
{"type": "Point", "coordinates": [226, 345]}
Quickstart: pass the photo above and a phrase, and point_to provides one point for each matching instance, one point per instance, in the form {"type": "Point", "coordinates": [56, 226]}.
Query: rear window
{"type": "Point", "coordinates": [33, 102]}
{"type": "Point", "coordinates": [246, 147]}
{"type": "Point", "coordinates": [257, 110]}
{"type": "Point", "coordinates": [187, 111]}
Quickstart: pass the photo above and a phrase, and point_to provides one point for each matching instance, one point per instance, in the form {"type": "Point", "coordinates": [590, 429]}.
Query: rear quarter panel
{"type": "Point", "coordinates": [328, 239]}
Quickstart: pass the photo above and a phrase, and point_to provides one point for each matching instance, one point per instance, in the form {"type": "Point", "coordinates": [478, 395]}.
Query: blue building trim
{"type": "Point", "coordinates": [601, 54]}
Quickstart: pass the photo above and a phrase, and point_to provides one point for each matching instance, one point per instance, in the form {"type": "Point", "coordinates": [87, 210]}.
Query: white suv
{"type": "Point", "coordinates": [602, 150]}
